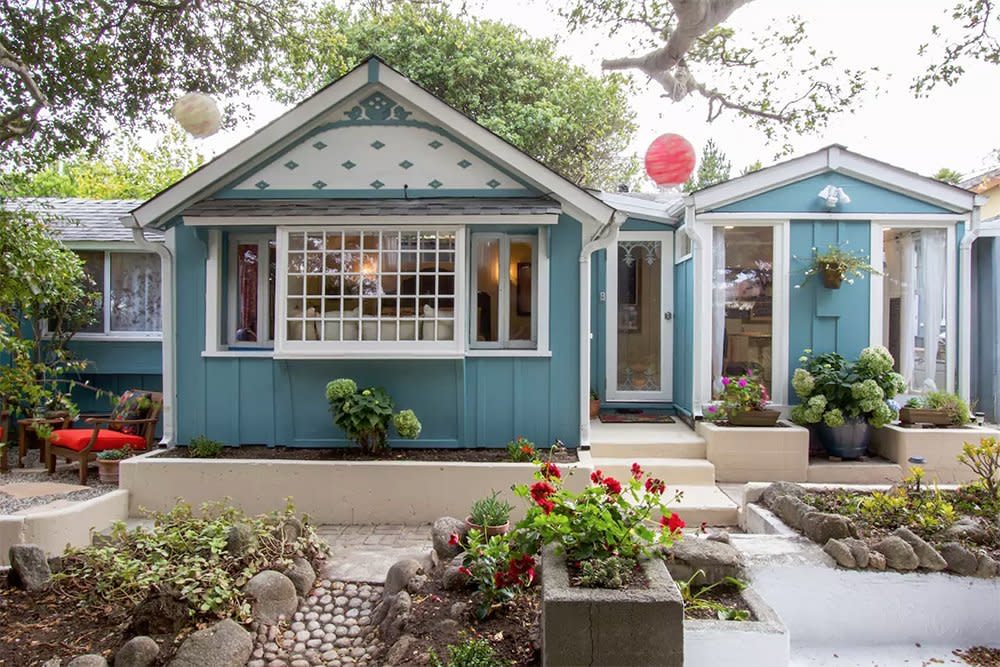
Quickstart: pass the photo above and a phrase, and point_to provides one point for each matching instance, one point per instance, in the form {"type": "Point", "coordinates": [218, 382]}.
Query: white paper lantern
{"type": "Point", "coordinates": [198, 114]}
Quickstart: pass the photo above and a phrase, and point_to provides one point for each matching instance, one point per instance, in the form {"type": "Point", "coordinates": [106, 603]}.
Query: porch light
{"type": "Point", "coordinates": [833, 195]}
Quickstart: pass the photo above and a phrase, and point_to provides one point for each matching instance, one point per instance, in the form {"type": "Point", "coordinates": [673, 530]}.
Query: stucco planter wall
{"type": "Point", "coordinates": [358, 492]}
{"type": "Point", "coordinates": [939, 446]}
{"type": "Point", "coordinates": [585, 626]}
{"type": "Point", "coordinates": [757, 454]}
{"type": "Point", "coordinates": [763, 642]}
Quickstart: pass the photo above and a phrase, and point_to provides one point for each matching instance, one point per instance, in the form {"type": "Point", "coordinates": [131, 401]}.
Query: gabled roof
{"type": "Point", "coordinates": [655, 207]}
{"type": "Point", "coordinates": [836, 158]}
{"type": "Point", "coordinates": [982, 182]}
{"type": "Point", "coordinates": [269, 140]}
{"type": "Point", "coordinates": [73, 219]}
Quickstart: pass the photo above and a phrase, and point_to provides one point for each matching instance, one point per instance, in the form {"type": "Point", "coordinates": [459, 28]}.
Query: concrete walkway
{"type": "Point", "coordinates": [365, 553]}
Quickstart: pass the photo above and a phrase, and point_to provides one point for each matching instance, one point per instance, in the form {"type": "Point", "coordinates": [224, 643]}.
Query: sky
{"type": "Point", "coordinates": [953, 127]}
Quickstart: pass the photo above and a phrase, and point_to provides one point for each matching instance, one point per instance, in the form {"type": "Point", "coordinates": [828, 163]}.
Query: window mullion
{"type": "Point", "coordinates": [106, 301]}
{"type": "Point", "coordinates": [503, 290]}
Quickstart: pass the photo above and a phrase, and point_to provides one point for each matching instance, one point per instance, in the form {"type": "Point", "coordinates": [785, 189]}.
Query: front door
{"type": "Point", "coordinates": [640, 301]}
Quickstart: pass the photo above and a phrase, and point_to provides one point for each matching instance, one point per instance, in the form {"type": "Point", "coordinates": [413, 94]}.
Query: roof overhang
{"type": "Point", "coordinates": [640, 208]}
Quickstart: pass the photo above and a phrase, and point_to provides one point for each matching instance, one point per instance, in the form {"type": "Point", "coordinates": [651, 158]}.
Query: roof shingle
{"type": "Point", "coordinates": [74, 219]}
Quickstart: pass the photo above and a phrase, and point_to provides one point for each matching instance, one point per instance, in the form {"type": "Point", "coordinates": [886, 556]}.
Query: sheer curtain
{"type": "Point", "coordinates": [718, 303]}
{"type": "Point", "coordinates": [135, 292]}
{"type": "Point", "coordinates": [908, 307]}
{"type": "Point", "coordinates": [933, 244]}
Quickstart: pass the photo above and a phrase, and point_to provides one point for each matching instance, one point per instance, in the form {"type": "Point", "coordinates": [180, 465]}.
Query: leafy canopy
{"type": "Point", "coordinates": [517, 86]}
{"type": "Point", "coordinates": [714, 167]}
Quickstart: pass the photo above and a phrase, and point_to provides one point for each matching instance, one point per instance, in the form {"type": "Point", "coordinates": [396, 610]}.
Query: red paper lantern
{"type": "Point", "coordinates": [670, 159]}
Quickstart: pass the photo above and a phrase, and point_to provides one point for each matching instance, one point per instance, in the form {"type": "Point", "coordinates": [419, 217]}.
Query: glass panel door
{"type": "Point", "coordinates": [640, 318]}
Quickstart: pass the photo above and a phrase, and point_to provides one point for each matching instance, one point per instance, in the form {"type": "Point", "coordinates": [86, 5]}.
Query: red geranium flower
{"type": "Point", "coordinates": [636, 471]}
{"type": "Point", "coordinates": [612, 485]}
{"type": "Point", "coordinates": [654, 485]}
{"type": "Point", "coordinates": [540, 492]}
{"type": "Point", "coordinates": [453, 539]}
{"type": "Point", "coordinates": [673, 523]}
{"type": "Point", "coordinates": [464, 570]}
{"type": "Point", "coordinates": [597, 477]}
{"type": "Point", "coordinates": [551, 471]}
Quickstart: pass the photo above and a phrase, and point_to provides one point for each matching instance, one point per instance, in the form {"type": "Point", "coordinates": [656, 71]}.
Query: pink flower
{"type": "Point", "coordinates": [742, 382]}
{"type": "Point", "coordinates": [713, 409]}
{"type": "Point", "coordinates": [725, 381]}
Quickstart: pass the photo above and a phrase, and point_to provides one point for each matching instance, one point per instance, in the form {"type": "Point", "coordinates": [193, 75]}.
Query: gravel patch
{"type": "Point", "coordinates": [35, 472]}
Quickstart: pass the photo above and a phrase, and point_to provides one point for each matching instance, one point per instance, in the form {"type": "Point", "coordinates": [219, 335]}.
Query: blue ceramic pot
{"type": "Point", "coordinates": [849, 441]}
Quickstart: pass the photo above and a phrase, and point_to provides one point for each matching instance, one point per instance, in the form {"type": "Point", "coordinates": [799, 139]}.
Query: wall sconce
{"type": "Point", "coordinates": [833, 195]}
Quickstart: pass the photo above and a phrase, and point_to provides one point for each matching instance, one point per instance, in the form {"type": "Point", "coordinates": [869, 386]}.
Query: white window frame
{"type": "Point", "coordinates": [109, 334]}
{"type": "Point", "coordinates": [503, 341]}
{"type": "Point", "coordinates": [683, 246]}
{"type": "Point", "coordinates": [284, 348]}
{"type": "Point", "coordinates": [264, 314]}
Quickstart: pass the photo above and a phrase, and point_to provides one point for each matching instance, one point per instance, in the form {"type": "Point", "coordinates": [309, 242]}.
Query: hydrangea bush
{"type": "Point", "coordinates": [365, 415]}
{"type": "Point", "coordinates": [834, 389]}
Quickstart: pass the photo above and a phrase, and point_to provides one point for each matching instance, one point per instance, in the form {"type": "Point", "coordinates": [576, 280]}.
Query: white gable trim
{"type": "Point", "coordinates": [839, 159]}
{"type": "Point", "coordinates": [366, 220]}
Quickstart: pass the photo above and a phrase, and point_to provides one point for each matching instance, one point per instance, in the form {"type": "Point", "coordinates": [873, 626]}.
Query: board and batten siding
{"type": "Point", "coordinates": [684, 335]}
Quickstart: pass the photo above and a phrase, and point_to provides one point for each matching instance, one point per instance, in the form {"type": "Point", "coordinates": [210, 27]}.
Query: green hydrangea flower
{"type": "Point", "coordinates": [803, 382]}
{"type": "Point", "coordinates": [867, 391]}
{"type": "Point", "coordinates": [881, 416]}
{"type": "Point", "coordinates": [834, 418]}
{"type": "Point", "coordinates": [875, 360]}
{"type": "Point", "coordinates": [339, 390]}
{"type": "Point", "coordinates": [897, 383]}
{"type": "Point", "coordinates": [407, 424]}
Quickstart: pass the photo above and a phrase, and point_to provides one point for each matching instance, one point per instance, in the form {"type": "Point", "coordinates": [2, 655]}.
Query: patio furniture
{"type": "Point", "coordinates": [26, 431]}
{"type": "Point", "coordinates": [83, 444]}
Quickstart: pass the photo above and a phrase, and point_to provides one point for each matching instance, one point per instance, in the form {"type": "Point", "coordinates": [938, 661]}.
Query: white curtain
{"type": "Point", "coordinates": [933, 244]}
{"type": "Point", "coordinates": [718, 303]}
{"type": "Point", "coordinates": [907, 306]}
{"type": "Point", "coordinates": [135, 292]}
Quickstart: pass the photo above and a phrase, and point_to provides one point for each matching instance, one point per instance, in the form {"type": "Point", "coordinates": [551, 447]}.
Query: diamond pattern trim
{"type": "Point", "coordinates": [291, 164]}
{"type": "Point", "coordinates": [348, 165]}
{"type": "Point", "coordinates": [319, 185]}
{"type": "Point", "coordinates": [405, 164]}
{"type": "Point", "coordinates": [377, 184]}
{"type": "Point", "coordinates": [261, 185]}
{"type": "Point", "coordinates": [319, 145]}
{"type": "Point", "coordinates": [493, 183]}
{"type": "Point", "coordinates": [377, 145]}
{"type": "Point", "coordinates": [435, 184]}
{"type": "Point", "coordinates": [464, 164]}
{"type": "Point", "coordinates": [435, 144]}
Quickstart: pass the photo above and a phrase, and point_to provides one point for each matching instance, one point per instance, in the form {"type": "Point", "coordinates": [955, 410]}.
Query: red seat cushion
{"type": "Point", "coordinates": [77, 438]}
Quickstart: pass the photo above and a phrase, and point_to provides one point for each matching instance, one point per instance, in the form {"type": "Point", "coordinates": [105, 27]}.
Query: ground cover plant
{"type": "Point", "coordinates": [720, 600]}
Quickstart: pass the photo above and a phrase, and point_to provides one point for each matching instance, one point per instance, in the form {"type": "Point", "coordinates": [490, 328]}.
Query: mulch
{"type": "Point", "coordinates": [482, 455]}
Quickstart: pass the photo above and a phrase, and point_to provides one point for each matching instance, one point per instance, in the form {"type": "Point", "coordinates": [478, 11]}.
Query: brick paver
{"type": "Point", "coordinates": [365, 553]}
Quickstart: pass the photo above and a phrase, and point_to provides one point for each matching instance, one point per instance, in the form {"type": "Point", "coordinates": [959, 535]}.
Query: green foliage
{"type": "Point", "coordinates": [740, 394]}
{"type": "Point", "coordinates": [850, 264]}
{"type": "Point", "coordinates": [407, 425]}
{"type": "Point", "coordinates": [521, 450]}
{"type": "Point", "coordinates": [713, 167]}
{"type": "Point", "coordinates": [610, 572]}
{"type": "Point", "coordinates": [365, 415]}
{"type": "Point", "coordinates": [490, 511]}
{"type": "Point", "coordinates": [953, 404]}
{"type": "Point", "coordinates": [975, 39]}
{"type": "Point", "coordinates": [201, 447]}
{"type": "Point", "coordinates": [185, 552]}
{"type": "Point", "coordinates": [948, 175]}
{"type": "Point", "coordinates": [834, 389]}
{"type": "Point", "coordinates": [518, 86]}
{"type": "Point", "coordinates": [472, 652]}
{"type": "Point", "coordinates": [125, 171]}
{"type": "Point", "coordinates": [116, 454]}
{"type": "Point", "coordinates": [498, 574]}
{"type": "Point", "coordinates": [696, 597]}
{"type": "Point", "coordinates": [984, 460]}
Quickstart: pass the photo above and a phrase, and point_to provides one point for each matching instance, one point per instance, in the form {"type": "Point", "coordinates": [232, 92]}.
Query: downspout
{"type": "Point", "coordinates": [167, 324]}
{"type": "Point", "coordinates": [603, 238]}
{"type": "Point", "coordinates": [697, 259]}
{"type": "Point", "coordinates": [965, 306]}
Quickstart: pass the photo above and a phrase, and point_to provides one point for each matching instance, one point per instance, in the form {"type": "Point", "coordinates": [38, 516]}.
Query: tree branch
{"type": "Point", "coordinates": [23, 119]}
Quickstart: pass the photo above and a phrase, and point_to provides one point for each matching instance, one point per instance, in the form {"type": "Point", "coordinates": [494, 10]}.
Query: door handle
{"type": "Point", "coordinates": [668, 316]}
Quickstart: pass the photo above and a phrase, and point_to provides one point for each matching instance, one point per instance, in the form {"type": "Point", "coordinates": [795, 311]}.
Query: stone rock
{"type": "Point", "coordinates": [52, 662]}
{"type": "Point", "coordinates": [928, 555]}
{"type": "Point", "coordinates": [447, 627]}
{"type": "Point", "coordinates": [290, 529]}
{"type": "Point", "coordinates": [55, 564]}
{"type": "Point", "coordinates": [139, 651]}
{"type": "Point", "coordinates": [88, 660]}
{"type": "Point", "coordinates": [986, 567]}
{"type": "Point", "coordinates": [790, 510]}
{"type": "Point", "coordinates": [821, 527]}
{"type": "Point", "coordinates": [718, 536]}
{"type": "Point", "coordinates": [430, 560]}
{"type": "Point", "coordinates": [859, 549]}
{"type": "Point", "coordinates": [452, 579]}
{"type": "Point", "coordinates": [302, 574]}
{"type": "Point", "coordinates": [272, 595]}
{"type": "Point", "coordinates": [776, 489]}
{"type": "Point", "coordinates": [162, 612]}
{"type": "Point", "coordinates": [841, 553]}
{"type": "Point", "coordinates": [966, 530]}
{"type": "Point", "coordinates": [400, 651]}
{"type": "Point", "coordinates": [458, 611]}
{"type": "Point", "coordinates": [29, 568]}
{"type": "Point", "coordinates": [441, 534]}
{"type": "Point", "coordinates": [240, 540]}
{"type": "Point", "coordinates": [405, 575]}
{"type": "Point", "coordinates": [225, 644]}
{"type": "Point", "coordinates": [960, 560]}
{"type": "Point", "coordinates": [876, 561]}
{"type": "Point", "coordinates": [391, 616]}
{"type": "Point", "coordinates": [716, 560]}
{"type": "Point", "coordinates": [899, 555]}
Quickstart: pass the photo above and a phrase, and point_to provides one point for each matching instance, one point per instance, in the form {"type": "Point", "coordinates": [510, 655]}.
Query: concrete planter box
{"type": "Point", "coordinates": [587, 626]}
{"type": "Point", "coordinates": [760, 643]}
{"type": "Point", "coordinates": [755, 453]}
{"type": "Point", "coordinates": [939, 446]}
{"type": "Point", "coordinates": [348, 492]}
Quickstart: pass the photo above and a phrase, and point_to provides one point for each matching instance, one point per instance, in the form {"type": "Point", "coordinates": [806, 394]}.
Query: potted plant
{"type": "Point", "coordinates": [938, 408]}
{"type": "Point", "coordinates": [107, 463]}
{"type": "Point", "coordinates": [845, 399]}
{"type": "Point", "coordinates": [743, 402]}
{"type": "Point", "coordinates": [595, 404]}
{"type": "Point", "coordinates": [836, 264]}
{"type": "Point", "coordinates": [490, 515]}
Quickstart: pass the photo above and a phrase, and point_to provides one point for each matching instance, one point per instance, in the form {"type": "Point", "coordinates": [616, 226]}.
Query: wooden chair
{"type": "Point", "coordinates": [83, 444]}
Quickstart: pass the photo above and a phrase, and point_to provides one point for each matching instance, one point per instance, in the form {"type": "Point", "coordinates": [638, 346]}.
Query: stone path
{"type": "Point", "coordinates": [365, 553]}
{"type": "Point", "coordinates": [32, 489]}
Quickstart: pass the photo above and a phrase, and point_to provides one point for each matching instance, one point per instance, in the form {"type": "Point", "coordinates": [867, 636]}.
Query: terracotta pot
{"type": "Point", "coordinates": [488, 531]}
{"type": "Point", "coordinates": [595, 407]}
{"type": "Point", "coordinates": [937, 417]}
{"type": "Point", "coordinates": [832, 277]}
{"type": "Point", "coordinates": [108, 471]}
{"type": "Point", "coordinates": [755, 418]}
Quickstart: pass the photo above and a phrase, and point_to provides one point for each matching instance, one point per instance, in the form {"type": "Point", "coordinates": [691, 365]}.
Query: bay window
{"type": "Point", "coordinates": [129, 287]}
{"type": "Point", "coordinates": [504, 291]}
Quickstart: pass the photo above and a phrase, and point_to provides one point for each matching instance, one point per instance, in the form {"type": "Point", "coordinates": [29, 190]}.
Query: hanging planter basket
{"type": "Point", "coordinates": [832, 276]}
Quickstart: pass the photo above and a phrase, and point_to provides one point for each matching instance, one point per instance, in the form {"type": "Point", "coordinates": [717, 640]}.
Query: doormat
{"type": "Point", "coordinates": [630, 416]}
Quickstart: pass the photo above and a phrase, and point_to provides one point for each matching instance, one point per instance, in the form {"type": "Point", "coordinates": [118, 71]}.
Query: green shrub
{"type": "Point", "coordinates": [116, 454]}
{"type": "Point", "coordinates": [490, 511]}
{"type": "Point", "coordinates": [201, 447]}
{"type": "Point", "coordinates": [521, 450]}
{"type": "Point", "coordinates": [497, 574]}
{"type": "Point", "coordinates": [470, 653]}
{"type": "Point", "coordinates": [984, 460]}
{"type": "Point", "coordinates": [365, 415]}
{"type": "Point", "coordinates": [953, 404]}
{"type": "Point", "coordinates": [610, 572]}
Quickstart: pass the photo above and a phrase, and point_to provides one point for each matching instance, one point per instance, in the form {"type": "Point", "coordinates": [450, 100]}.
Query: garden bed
{"type": "Point", "coordinates": [479, 455]}
{"type": "Point", "coordinates": [938, 447]}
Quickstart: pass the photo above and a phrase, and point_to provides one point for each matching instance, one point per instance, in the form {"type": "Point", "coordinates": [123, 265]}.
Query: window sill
{"type": "Point", "coordinates": [512, 352]}
{"type": "Point", "coordinates": [370, 354]}
{"type": "Point", "coordinates": [238, 353]}
{"type": "Point", "coordinates": [115, 338]}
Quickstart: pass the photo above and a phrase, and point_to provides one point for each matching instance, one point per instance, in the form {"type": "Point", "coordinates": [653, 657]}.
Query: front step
{"type": "Point", "coordinates": [702, 504]}
{"type": "Point", "coordinates": [869, 471]}
{"type": "Point", "coordinates": [637, 441]}
{"type": "Point", "coordinates": [671, 471]}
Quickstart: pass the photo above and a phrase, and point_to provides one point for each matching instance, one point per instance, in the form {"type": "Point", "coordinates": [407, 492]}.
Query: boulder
{"type": "Point", "coordinates": [303, 576]}
{"type": "Point", "coordinates": [716, 560]}
{"type": "Point", "coordinates": [899, 555]}
{"type": "Point", "coordinates": [139, 651]}
{"type": "Point", "coordinates": [290, 529]}
{"type": "Point", "coordinates": [459, 611]}
{"type": "Point", "coordinates": [453, 578]}
{"type": "Point", "coordinates": [859, 549]}
{"type": "Point", "coordinates": [52, 662]}
{"type": "Point", "coordinates": [441, 534]}
{"type": "Point", "coordinates": [29, 567]}
{"type": "Point", "coordinates": [928, 555]}
{"type": "Point", "coordinates": [240, 540]}
{"type": "Point", "coordinates": [162, 612]}
{"type": "Point", "coordinates": [959, 559]}
{"type": "Point", "coordinates": [405, 575]}
{"type": "Point", "coordinates": [821, 527]}
{"type": "Point", "coordinates": [966, 530]}
{"type": "Point", "coordinates": [841, 553]}
{"type": "Point", "coordinates": [776, 489]}
{"type": "Point", "coordinates": [986, 567]}
{"type": "Point", "coordinates": [272, 595]}
{"type": "Point", "coordinates": [391, 616]}
{"type": "Point", "coordinates": [876, 561]}
{"type": "Point", "coordinates": [225, 644]}
{"type": "Point", "coordinates": [790, 510]}
{"type": "Point", "coordinates": [718, 536]}
{"type": "Point", "coordinates": [88, 660]}
{"type": "Point", "coordinates": [400, 651]}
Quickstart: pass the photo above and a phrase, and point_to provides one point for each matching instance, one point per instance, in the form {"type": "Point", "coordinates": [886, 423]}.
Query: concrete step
{"type": "Point", "coordinates": [670, 470]}
{"type": "Point", "coordinates": [645, 441]}
{"type": "Point", "coordinates": [702, 504]}
{"type": "Point", "coordinates": [869, 471]}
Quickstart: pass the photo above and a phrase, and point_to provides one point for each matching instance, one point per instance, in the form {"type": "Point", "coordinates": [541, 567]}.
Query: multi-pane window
{"type": "Point", "coordinates": [129, 288]}
{"type": "Point", "coordinates": [504, 291]}
{"type": "Point", "coordinates": [253, 265]}
{"type": "Point", "coordinates": [379, 286]}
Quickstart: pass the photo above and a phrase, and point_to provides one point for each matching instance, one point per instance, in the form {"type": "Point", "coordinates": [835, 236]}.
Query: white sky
{"type": "Point", "coordinates": [955, 127]}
